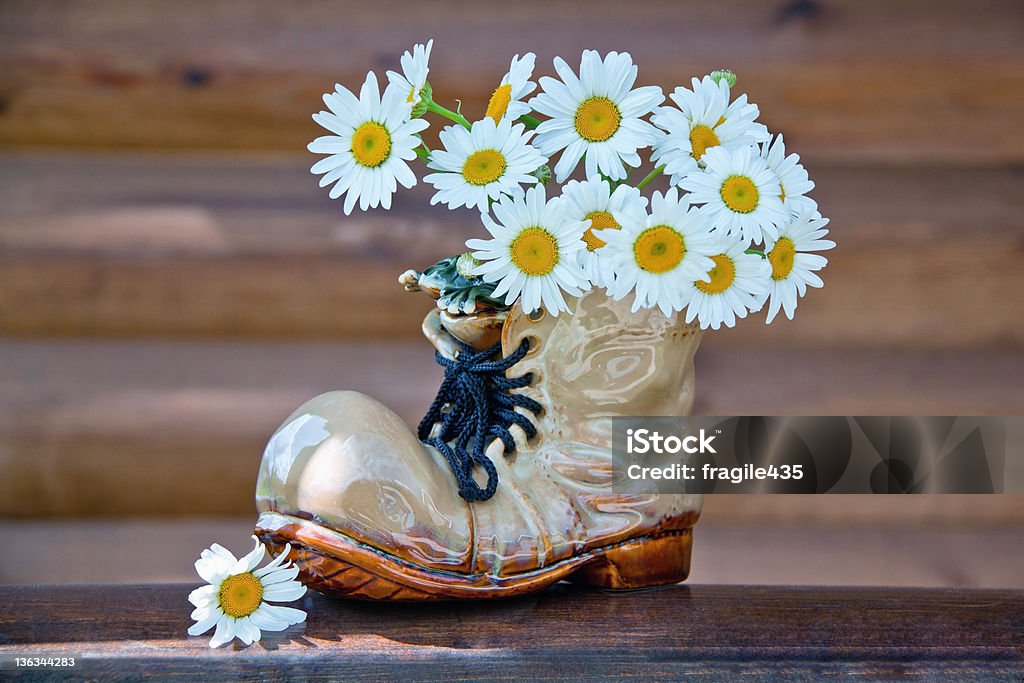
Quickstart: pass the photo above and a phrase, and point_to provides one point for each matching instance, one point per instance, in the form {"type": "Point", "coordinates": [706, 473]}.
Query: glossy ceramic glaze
{"type": "Point", "coordinates": [346, 479]}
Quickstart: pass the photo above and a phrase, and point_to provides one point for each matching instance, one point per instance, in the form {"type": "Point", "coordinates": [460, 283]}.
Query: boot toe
{"type": "Point", "coordinates": [350, 464]}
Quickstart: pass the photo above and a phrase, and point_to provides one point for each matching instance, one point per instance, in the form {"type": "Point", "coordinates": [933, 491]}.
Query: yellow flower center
{"type": "Point", "coordinates": [483, 167]}
{"type": "Point", "coordinates": [659, 249]}
{"type": "Point", "coordinates": [412, 94]}
{"type": "Point", "coordinates": [702, 137]}
{"type": "Point", "coordinates": [722, 275]}
{"type": "Point", "coordinates": [240, 595]}
{"type": "Point", "coordinates": [371, 144]}
{"type": "Point", "coordinates": [597, 119]}
{"type": "Point", "coordinates": [740, 194]}
{"type": "Point", "coordinates": [599, 220]}
{"type": "Point", "coordinates": [499, 102]}
{"type": "Point", "coordinates": [781, 257]}
{"type": "Point", "coordinates": [535, 251]}
{"type": "Point", "coordinates": [782, 192]}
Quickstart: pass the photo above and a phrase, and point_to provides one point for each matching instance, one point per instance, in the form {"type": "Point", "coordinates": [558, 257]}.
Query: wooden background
{"type": "Point", "coordinates": [173, 283]}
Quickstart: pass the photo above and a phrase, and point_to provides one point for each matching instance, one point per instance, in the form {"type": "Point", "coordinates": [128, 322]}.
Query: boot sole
{"type": "Point", "coordinates": [333, 563]}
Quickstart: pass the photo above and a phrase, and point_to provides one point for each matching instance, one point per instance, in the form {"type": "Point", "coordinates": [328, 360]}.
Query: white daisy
{"type": "Point", "coordinates": [738, 284]}
{"type": "Point", "coordinates": [596, 116]}
{"type": "Point", "coordinates": [489, 161]}
{"type": "Point", "coordinates": [507, 99]}
{"type": "Point", "coordinates": [373, 139]}
{"type": "Point", "coordinates": [234, 601]}
{"type": "Point", "coordinates": [415, 68]}
{"type": "Point", "coordinates": [658, 256]}
{"type": "Point", "coordinates": [534, 251]}
{"type": "Point", "coordinates": [593, 201]}
{"type": "Point", "coordinates": [792, 267]}
{"type": "Point", "coordinates": [793, 179]}
{"type": "Point", "coordinates": [705, 118]}
{"type": "Point", "coordinates": [741, 195]}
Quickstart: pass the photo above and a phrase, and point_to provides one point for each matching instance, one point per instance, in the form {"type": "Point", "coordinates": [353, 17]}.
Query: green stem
{"type": "Point", "coordinates": [449, 114]}
{"type": "Point", "coordinates": [650, 176]}
{"type": "Point", "coordinates": [529, 121]}
{"type": "Point", "coordinates": [423, 151]}
{"type": "Point", "coordinates": [755, 251]}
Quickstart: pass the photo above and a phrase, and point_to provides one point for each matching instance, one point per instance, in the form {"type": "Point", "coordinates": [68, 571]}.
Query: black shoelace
{"type": "Point", "coordinates": [474, 407]}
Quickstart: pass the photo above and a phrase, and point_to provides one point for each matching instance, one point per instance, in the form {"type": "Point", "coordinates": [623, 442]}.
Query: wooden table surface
{"type": "Point", "coordinates": [799, 632]}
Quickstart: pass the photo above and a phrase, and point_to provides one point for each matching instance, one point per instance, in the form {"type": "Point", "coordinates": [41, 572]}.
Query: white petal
{"type": "Point", "coordinates": [225, 632]}
{"type": "Point", "coordinates": [284, 592]}
{"type": "Point", "coordinates": [204, 625]}
{"type": "Point", "coordinates": [290, 615]}
{"type": "Point", "coordinates": [252, 560]}
{"type": "Point", "coordinates": [203, 595]}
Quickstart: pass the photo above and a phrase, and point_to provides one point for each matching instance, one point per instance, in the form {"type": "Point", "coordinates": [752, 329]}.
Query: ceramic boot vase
{"type": "Point", "coordinates": [372, 512]}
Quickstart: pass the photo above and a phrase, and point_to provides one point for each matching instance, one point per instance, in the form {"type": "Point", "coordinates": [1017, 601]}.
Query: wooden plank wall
{"type": "Point", "coordinates": [172, 281]}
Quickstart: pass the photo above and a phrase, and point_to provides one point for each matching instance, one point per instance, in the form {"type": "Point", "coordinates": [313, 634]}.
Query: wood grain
{"type": "Point", "coordinates": [121, 428]}
{"type": "Point", "coordinates": [678, 631]}
{"type": "Point", "coordinates": [908, 82]}
{"type": "Point", "coordinates": [249, 247]}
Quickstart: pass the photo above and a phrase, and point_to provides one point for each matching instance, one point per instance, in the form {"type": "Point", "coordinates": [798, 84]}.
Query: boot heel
{"type": "Point", "coordinates": [642, 563]}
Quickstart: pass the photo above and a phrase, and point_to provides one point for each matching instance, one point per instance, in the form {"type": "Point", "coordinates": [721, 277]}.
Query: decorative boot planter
{"type": "Point", "coordinates": [371, 512]}
{"type": "Point", "coordinates": [587, 301]}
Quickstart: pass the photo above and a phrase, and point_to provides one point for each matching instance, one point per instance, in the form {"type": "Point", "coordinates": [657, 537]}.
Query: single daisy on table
{"type": "Point", "coordinates": [658, 256]}
{"type": "Point", "coordinates": [415, 67]}
{"type": "Point", "coordinates": [484, 163]}
{"type": "Point", "coordinates": [738, 283]}
{"type": "Point", "coordinates": [740, 194]}
{"type": "Point", "coordinates": [793, 179]}
{"type": "Point", "coordinates": [373, 139]}
{"type": "Point", "coordinates": [792, 267]}
{"type": "Point", "coordinates": [596, 116]}
{"type": "Point", "coordinates": [594, 201]}
{"type": "Point", "coordinates": [507, 99]}
{"type": "Point", "coordinates": [704, 119]}
{"type": "Point", "coordinates": [533, 253]}
{"type": "Point", "coordinates": [234, 600]}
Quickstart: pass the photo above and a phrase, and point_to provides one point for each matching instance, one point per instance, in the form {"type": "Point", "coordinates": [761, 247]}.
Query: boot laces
{"type": "Point", "coordinates": [474, 407]}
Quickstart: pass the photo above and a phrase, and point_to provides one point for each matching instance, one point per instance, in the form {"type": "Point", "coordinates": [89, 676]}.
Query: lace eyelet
{"type": "Point", "coordinates": [537, 315]}
{"type": "Point", "coordinates": [534, 441]}
{"type": "Point", "coordinates": [534, 343]}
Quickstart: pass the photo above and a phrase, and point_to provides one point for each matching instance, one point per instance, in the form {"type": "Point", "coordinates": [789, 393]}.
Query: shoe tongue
{"type": "Point", "coordinates": [480, 330]}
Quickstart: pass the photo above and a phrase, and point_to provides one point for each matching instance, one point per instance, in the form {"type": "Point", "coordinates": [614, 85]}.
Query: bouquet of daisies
{"type": "Point", "coordinates": [736, 229]}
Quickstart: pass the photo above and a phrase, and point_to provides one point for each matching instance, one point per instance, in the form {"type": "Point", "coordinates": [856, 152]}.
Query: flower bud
{"type": "Point", "coordinates": [420, 108]}
{"type": "Point", "coordinates": [724, 75]}
{"type": "Point", "coordinates": [543, 174]}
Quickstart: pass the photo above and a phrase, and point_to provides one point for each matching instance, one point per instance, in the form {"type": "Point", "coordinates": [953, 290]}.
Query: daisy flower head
{"type": "Point", "coordinates": [533, 253]}
{"type": "Point", "coordinates": [415, 67]}
{"type": "Point", "coordinates": [740, 194]}
{"type": "Point", "coordinates": [658, 256]}
{"type": "Point", "coordinates": [235, 599]}
{"type": "Point", "coordinates": [507, 99]}
{"type": "Point", "coordinates": [703, 118]}
{"type": "Point", "coordinates": [485, 162]}
{"type": "Point", "coordinates": [792, 265]}
{"type": "Point", "coordinates": [793, 179]}
{"type": "Point", "coordinates": [596, 116]}
{"type": "Point", "coordinates": [736, 284]}
{"type": "Point", "coordinates": [593, 201]}
{"type": "Point", "coordinates": [372, 140]}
